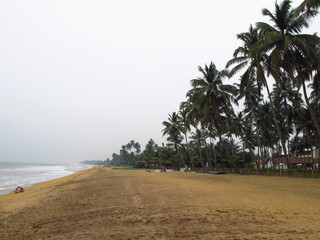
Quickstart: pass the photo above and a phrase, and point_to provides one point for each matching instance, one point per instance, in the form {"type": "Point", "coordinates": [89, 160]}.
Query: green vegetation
{"type": "Point", "coordinates": [275, 58]}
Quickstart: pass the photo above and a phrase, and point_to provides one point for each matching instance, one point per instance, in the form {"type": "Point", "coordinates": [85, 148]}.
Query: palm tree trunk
{"type": "Point", "coordinates": [246, 143]}
{"type": "Point", "coordinates": [191, 162]}
{"type": "Point", "coordinates": [179, 153]}
{"type": "Point", "coordinates": [276, 123]}
{"type": "Point", "coordinates": [257, 132]}
{"type": "Point", "coordinates": [200, 154]}
{"type": "Point", "coordinates": [221, 146]}
{"type": "Point", "coordinates": [214, 152]}
{"type": "Point", "coordinates": [244, 139]}
{"type": "Point", "coordinates": [208, 157]}
{"type": "Point", "coordinates": [312, 113]}
{"type": "Point", "coordinates": [181, 156]}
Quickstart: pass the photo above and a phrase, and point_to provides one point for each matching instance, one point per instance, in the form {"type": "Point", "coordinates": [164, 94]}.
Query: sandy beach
{"type": "Point", "coordinates": [100, 203]}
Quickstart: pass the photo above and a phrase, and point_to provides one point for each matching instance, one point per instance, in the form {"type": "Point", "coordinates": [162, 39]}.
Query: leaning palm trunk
{"type": "Point", "coordinates": [312, 113]}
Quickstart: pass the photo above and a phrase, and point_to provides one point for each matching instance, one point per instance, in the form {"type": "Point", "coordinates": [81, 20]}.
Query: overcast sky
{"type": "Point", "coordinates": [78, 79]}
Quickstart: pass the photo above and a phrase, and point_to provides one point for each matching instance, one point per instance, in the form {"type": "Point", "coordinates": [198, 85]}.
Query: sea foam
{"type": "Point", "coordinates": [26, 174]}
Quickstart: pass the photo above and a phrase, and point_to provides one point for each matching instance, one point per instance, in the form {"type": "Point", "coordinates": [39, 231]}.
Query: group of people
{"type": "Point", "coordinates": [19, 189]}
{"type": "Point", "coordinates": [163, 168]}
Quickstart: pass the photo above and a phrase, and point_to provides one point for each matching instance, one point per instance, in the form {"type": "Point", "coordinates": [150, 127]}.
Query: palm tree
{"type": "Point", "coordinates": [307, 69]}
{"type": "Point", "coordinates": [282, 39]}
{"type": "Point", "coordinates": [173, 128]}
{"type": "Point", "coordinates": [198, 138]}
{"type": "Point", "coordinates": [185, 121]}
{"type": "Point", "coordinates": [315, 87]}
{"type": "Point", "coordinates": [124, 154]}
{"type": "Point", "coordinates": [305, 125]}
{"type": "Point", "coordinates": [281, 42]}
{"type": "Point", "coordinates": [137, 147]}
{"type": "Point", "coordinates": [308, 7]}
{"type": "Point", "coordinates": [213, 98]}
{"type": "Point", "coordinates": [252, 80]}
{"type": "Point", "coordinates": [288, 102]}
{"type": "Point", "coordinates": [243, 57]}
{"type": "Point", "coordinates": [267, 131]}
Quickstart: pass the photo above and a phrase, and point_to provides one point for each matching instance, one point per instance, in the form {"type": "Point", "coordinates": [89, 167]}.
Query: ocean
{"type": "Point", "coordinates": [16, 174]}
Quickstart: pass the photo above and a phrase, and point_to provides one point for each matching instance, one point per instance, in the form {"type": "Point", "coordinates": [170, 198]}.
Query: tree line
{"type": "Point", "coordinates": [279, 86]}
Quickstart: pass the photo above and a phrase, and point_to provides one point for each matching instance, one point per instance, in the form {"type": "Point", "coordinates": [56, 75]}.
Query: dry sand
{"type": "Point", "coordinates": [106, 204]}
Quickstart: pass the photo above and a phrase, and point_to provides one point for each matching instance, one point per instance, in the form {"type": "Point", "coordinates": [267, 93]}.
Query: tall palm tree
{"type": "Point", "coordinates": [137, 147]}
{"type": "Point", "coordinates": [198, 138]}
{"type": "Point", "coordinates": [281, 42]}
{"type": "Point", "coordinates": [288, 101]}
{"type": "Point", "coordinates": [173, 128]}
{"type": "Point", "coordinates": [124, 154]}
{"type": "Point", "coordinates": [185, 121]}
{"type": "Point", "coordinates": [253, 78]}
{"type": "Point", "coordinates": [213, 98]}
{"type": "Point", "coordinates": [243, 57]}
{"type": "Point", "coordinates": [267, 131]}
{"type": "Point", "coordinates": [307, 69]}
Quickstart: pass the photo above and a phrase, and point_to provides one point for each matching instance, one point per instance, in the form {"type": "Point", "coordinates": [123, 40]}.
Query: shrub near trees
{"type": "Point", "coordinates": [275, 57]}
{"type": "Point", "coordinates": [152, 156]}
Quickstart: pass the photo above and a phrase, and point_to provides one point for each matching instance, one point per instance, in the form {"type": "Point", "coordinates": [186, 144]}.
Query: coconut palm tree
{"type": "Point", "coordinates": [288, 101]}
{"type": "Point", "coordinates": [304, 125]}
{"type": "Point", "coordinates": [253, 78]}
{"type": "Point", "coordinates": [173, 128]}
{"type": "Point", "coordinates": [308, 7]}
{"type": "Point", "coordinates": [267, 131]}
{"type": "Point", "coordinates": [137, 148]}
{"type": "Point", "coordinates": [185, 121]}
{"type": "Point", "coordinates": [315, 87]}
{"type": "Point", "coordinates": [282, 41]}
{"type": "Point", "coordinates": [198, 139]}
{"type": "Point", "coordinates": [243, 57]}
{"type": "Point", "coordinates": [213, 99]}
{"type": "Point", "coordinates": [124, 154]}
{"type": "Point", "coordinates": [307, 69]}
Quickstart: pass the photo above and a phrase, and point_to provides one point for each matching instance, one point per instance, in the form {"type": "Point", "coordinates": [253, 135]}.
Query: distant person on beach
{"type": "Point", "coordinates": [19, 190]}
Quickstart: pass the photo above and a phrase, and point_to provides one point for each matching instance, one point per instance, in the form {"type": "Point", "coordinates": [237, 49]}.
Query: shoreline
{"type": "Point", "coordinates": [10, 190]}
{"type": "Point", "coordinates": [36, 191]}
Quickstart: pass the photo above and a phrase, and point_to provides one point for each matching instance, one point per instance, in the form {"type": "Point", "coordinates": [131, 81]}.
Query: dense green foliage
{"type": "Point", "coordinates": [276, 59]}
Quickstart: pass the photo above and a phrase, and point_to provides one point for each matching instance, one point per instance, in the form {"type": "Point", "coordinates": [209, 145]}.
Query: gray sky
{"type": "Point", "coordinates": [78, 79]}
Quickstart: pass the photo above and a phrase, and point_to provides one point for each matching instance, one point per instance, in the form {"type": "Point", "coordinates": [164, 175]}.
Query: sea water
{"type": "Point", "coordinates": [13, 175]}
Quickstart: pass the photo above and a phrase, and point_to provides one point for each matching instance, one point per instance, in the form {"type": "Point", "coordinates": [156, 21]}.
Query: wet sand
{"type": "Point", "coordinates": [100, 203]}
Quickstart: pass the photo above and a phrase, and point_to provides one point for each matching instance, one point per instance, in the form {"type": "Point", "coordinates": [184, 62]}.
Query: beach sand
{"type": "Point", "coordinates": [100, 203]}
